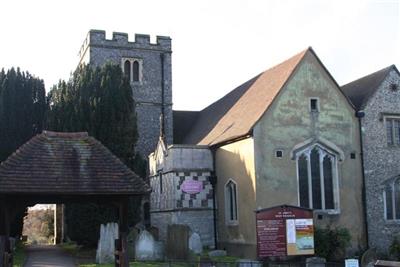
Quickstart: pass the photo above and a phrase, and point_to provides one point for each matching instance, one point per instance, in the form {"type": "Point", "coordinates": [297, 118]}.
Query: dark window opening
{"type": "Point", "coordinates": [127, 68]}
{"type": "Point", "coordinates": [135, 71]}
{"type": "Point", "coordinates": [279, 153]}
{"type": "Point", "coordinates": [353, 155]}
{"type": "Point", "coordinates": [314, 104]}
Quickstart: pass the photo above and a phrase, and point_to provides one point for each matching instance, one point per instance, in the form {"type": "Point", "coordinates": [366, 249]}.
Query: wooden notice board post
{"type": "Point", "coordinates": [284, 231]}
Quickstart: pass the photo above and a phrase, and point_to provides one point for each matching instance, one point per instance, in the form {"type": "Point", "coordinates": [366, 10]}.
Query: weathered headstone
{"type": "Point", "coordinates": [132, 237]}
{"type": "Point", "coordinates": [217, 253]}
{"type": "Point", "coordinates": [178, 242]}
{"type": "Point", "coordinates": [315, 262]}
{"type": "Point", "coordinates": [106, 246]}
{"type": "Point", "coordinates": [248, 263]}
{"type": "Point", "coordinates": [159, 250]}
{"type": "Point", "coordinates": [144, 247]}
{"type": "Point", "coordinates": [195, 244]}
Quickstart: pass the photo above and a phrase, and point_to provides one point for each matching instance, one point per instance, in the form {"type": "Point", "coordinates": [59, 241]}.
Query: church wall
{"type": "Point", "coordinates": [289, 124]}
{"type": "Point", "coordinates": [381, 161]}
{"type": "Point", "coordinates": [235, 162]}
{"type": "Point", "coordinates": [170, 203]}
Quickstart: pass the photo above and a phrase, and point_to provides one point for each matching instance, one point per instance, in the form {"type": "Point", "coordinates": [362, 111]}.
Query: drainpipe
{"type": "Point", "coordinates": [213, 181]}
{"type": "Point", "coordinates": [360, 114]}
{"type": "Point", "coordinates": [162, 123]}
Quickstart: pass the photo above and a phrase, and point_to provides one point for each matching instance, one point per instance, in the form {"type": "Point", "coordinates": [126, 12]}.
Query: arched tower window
{"type": "Point", "coordinates": [132, 69]}
{"type": "Point", "coordinates": [127, 69]}
{"type": "Point", "coordinates": [135, 71]}
{"type": "Point", "coordinates": [317, 178]}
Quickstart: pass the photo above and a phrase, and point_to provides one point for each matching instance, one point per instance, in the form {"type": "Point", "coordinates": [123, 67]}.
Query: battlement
{"type": "Point", "coordinates": [120, 39]}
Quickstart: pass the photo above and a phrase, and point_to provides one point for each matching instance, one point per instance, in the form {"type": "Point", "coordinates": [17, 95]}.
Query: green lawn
{"type": "Point", "coordinates": [19, 255]}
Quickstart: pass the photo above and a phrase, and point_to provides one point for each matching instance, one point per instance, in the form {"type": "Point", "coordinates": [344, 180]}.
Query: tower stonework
{"type": "Point", "coordinates": [149, 68]}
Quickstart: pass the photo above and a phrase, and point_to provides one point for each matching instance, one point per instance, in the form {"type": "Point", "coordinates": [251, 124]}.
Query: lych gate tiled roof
{"type": "Point", "coordinates": [67, 163]}
{"type": "Point", "coordinates": [360, 90]}
{"type": "Point", "coordinates": [235, 114]}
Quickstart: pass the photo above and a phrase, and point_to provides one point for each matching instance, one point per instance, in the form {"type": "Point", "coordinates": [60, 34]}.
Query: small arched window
{"type": "Point", "coordinates": [135, 71]}
{"type": "Point", "coordinates": [127, 68]}
{"type": "Point", "coordinates": [231, 206]}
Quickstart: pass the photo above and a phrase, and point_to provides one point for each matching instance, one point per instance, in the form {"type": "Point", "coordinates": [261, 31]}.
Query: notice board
{"type": "Point", "coordinates": [284, 231]}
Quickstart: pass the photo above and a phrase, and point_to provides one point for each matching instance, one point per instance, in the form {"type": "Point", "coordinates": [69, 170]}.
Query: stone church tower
{"type": "Point", "coordinates": [148, 66]}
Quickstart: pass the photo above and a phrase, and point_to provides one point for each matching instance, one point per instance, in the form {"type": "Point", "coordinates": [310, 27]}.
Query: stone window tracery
{"type": "Point", "coordinates": [132, 67]}
{"type": "Point", "coordinates": [317, 178]}
{"type": "Point", "coordinates": [391, 196]}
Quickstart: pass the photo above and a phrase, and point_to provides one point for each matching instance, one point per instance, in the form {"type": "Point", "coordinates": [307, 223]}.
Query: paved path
{"type": "Point", "coordinates": [48, 256]}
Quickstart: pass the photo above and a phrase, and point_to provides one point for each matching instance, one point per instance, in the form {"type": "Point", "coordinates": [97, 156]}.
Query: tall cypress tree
{"type": "Point", "coordinates": [22, 113]}
{"type": "Point", "coordinates": [22, 109]}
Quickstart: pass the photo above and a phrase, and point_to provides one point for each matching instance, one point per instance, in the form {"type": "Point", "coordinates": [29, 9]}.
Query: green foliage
{"type": "Point", "coordinates": [22, 115]}
{"type": "Point", "coordinates": [331, 244]}
{"type": "Point", "coordinates": [39, 226]}
{"type": "Point", "coordinates": [394, 248]}
{"type": "Point", "coordinates": [99, 101]}
{"type": "Point", "coordinates": [22, 109]}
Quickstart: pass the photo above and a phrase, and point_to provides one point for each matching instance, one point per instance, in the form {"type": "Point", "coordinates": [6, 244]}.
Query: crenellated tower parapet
{"type": "Point", "coordinates": [148, 66]}
{"type": "Point", "coordinates": [121, 40]}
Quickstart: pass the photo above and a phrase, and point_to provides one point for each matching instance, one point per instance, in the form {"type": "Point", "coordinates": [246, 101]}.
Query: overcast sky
{"type": "Point", "coordinates": [217, 44]}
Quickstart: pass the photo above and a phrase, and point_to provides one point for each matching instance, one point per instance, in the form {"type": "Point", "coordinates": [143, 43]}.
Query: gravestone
{"type": "Point", "coordinates": [106, 245]}
{"type": "Point", "coordinates": [159, 250]}
{"type": "Point", "coordinates": [195, 244]}
{"type": "Point", "coordinates": [217, 253]}
{"type": "Point", "coordinates": [132, 237]}
{"type": "Point", "coordinates": [315, 262]}
{"type": "Point", "coordinates": [248, 263]}
{"type": "Point", "coordinates": [178, 242]}
{"type": "Point", "coordinates": [144, 247]}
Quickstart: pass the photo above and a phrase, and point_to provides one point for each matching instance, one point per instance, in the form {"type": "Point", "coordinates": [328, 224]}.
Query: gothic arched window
{"type": "Point", "coordinates": [132, 69]}
{"type": "Point", "coordinates": [127, 68]}
{"type": "Point", "coordinates": [391, 196]}
{"type": "Point", "coordinates": [317, 177]}
{"type": "Point", "coordinates": [231, 206]}
{"type": "Point", "coordinates": [135, 71]}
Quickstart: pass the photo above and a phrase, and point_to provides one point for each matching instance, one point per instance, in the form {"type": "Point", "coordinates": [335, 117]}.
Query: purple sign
{"type": "Point", "coordinates": [192, 187]}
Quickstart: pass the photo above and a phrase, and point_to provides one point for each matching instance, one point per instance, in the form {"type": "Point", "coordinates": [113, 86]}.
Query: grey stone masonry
{"type": "Point", "coordinates": [381, 160]}
{"type": "Point", "coordinates": [147, 90]}
{"type": "Point", "coordinates": [170, 169]}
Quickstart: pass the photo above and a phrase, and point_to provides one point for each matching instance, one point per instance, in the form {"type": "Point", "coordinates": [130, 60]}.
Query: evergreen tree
{"type": "Point", "coordinates": [99, 101]}
{"type": "Point", "coordinates": [22, 114]}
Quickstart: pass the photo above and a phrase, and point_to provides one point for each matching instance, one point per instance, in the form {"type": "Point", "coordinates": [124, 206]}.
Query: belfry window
{"type": "Point", "coordinates": [317, 178]}
{"type": "Point", "coordinates": [132, 68]}
{"type": "Point", "coordinates": [231, 207]}
{"type": "Point", "coordinates": [135, 71]}
{"type": "Point", "coordinates": [127, 68]}
{"type": "Point", "coordinates": [391, 196]}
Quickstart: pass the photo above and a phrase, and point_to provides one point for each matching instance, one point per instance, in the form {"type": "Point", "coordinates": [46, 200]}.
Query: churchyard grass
{"type": "Point", "coordinates": [19, 255]}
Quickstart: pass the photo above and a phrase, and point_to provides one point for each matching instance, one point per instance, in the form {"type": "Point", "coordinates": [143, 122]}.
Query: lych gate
{"type": "Point", "coordinates": [61, 168]}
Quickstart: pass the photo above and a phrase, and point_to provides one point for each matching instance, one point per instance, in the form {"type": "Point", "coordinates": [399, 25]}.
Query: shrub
{"type": "Point", "coordinates": [331, 244]}
{"type": "Point", "coordinates": [394, 249]}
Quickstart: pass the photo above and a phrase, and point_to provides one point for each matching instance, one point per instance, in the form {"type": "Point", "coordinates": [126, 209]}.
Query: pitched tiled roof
{"type": "Point", "coordinates": [67, 163]}
{"type": "Point", "coordinates": [359, 91]}
{"type": "Point", "coordinates": [183, 121]}
{"type": "Point", "coordinates": [235, 114]}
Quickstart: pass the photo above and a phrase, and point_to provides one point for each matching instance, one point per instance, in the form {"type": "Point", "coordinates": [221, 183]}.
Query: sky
{"type": "Point", "coordinates": [217, 44]}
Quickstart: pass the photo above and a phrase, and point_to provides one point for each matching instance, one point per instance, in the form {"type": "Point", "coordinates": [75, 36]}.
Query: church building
{"type": "Point", "coordinates": [287, 136]}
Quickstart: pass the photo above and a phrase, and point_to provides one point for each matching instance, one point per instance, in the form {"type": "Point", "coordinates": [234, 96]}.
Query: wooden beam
{"type": "Point", "coordinates": [123, 232]}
